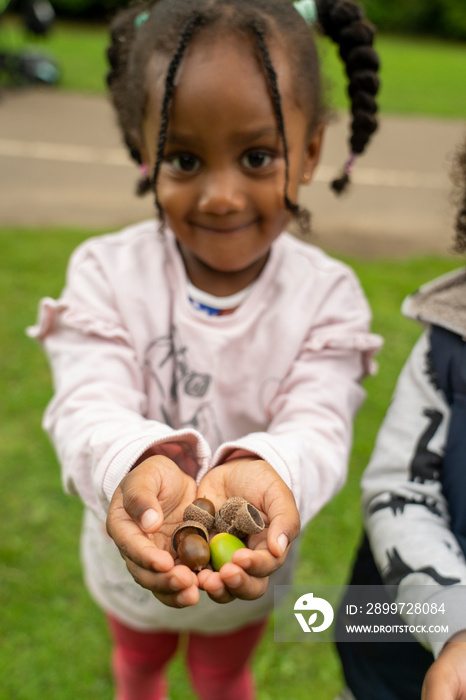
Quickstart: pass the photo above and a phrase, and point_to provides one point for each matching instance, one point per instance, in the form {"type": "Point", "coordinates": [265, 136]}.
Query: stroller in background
{"type": "Point", "coordinates": [28, 66]}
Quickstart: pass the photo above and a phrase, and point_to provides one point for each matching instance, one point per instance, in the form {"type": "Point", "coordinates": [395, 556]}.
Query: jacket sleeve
{"type": "Point", "coordinates": [96, 418]}
{"type": "Point", "coordinates": [405, 512]}
{"type": "Point", "coordinates": [311, 414]}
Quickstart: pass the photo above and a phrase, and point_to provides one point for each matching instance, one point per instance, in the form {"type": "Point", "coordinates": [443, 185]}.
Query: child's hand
{"type": "Point", "coordinates": [247, 575]}
{"type": "Point", "coordinates": [145, 509]}
{"type": "Point", "coordinates": [446, 678]}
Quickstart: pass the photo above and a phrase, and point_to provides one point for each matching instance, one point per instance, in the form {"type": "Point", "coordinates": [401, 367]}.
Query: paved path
{"type": "Point", "coordinates": [62, 163]}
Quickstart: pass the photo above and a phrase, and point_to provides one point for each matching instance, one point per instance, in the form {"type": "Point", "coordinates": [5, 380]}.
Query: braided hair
{"type": "Point", "coordinates": [343, 21]}
{"type": "Point", "coordinates": [167, 27]}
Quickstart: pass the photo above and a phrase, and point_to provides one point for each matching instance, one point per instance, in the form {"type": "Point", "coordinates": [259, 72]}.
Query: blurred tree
{"type": "Point", "coordinates": [443, 18]}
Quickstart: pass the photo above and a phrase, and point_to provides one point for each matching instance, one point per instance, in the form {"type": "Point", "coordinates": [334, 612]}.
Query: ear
{"type": "Point", "coordinates": [312, 154]}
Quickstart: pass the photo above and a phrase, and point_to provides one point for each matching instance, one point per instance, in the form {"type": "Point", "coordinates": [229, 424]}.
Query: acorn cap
{"type": "Point", "coordinates": [222, 526]}
{"type": "Point", "coordinates": [186, 528]}
{"type": "Point", "coordinates": [230, 508]}
{"type": "Point", "coordinates": [193, 512]}
{"type": "Point", "coordinates": [248, 519]}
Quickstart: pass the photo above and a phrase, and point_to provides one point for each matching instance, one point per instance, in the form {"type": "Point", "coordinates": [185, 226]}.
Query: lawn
{"type": "Point", "coordinates": [419, 76]}
{"type": "Point", "coordinates": [54, 642]}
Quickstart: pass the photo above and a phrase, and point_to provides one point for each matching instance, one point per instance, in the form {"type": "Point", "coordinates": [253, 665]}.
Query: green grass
{"type": "Point", "coordinates": [54, 643]}
{"type": "Point", "coordinates": [419, 76]}
{"type": "Point", "coordinates": [78, 48]}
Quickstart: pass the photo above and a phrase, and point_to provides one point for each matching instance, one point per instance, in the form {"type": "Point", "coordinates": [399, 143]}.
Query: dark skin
{"type": "Point", "coordinates": [149, 503]}
{"type": "Point", "coordinates": [446, 678]}
{"type": "Point", "coordinates": [222, 189]}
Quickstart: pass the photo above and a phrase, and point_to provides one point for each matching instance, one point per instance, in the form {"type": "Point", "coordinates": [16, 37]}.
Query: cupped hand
{"type": "Point", "coordinates": [446, 678]}
{"type": "Point", "coordinates": [145, 509]}
{"type": "Point", "coordinates": [246, 577]}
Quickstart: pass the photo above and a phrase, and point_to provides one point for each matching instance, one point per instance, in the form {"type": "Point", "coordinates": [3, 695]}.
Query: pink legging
{"type": "Point", "coordinates": [218, 664]}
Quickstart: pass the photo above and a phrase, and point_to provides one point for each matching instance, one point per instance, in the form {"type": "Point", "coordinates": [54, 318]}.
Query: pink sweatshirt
{"type": "Point", "coordinates": [135, 366]}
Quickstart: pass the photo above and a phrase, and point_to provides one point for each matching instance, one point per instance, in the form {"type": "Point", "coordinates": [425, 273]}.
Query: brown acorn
{"type": "Point", "coordinates": [201, 510]}
{"type": "Point", "coordinates": [194, 551]}
{"type": "Point", "coordinates": [205, 504]}
{"type": "Point", "coordinates": [188, 527]}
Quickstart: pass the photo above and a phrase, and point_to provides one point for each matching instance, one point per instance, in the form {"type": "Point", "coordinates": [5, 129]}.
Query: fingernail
{"type": "Point", "coordinates": [149, 518]}
{"type": "Point", "coordinates": [282, 542]}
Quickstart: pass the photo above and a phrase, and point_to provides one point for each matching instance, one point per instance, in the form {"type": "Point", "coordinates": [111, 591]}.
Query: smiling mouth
{"type": "Point", "coordinates": [225, 229]}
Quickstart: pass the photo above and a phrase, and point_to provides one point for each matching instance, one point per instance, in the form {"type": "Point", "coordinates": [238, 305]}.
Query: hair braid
{"type": "Point", "coordinates": [186, 35]}
{"type": "Point", "coordinates": [343, 21]}
{"type": "Point", "coordinates": [271, 74]}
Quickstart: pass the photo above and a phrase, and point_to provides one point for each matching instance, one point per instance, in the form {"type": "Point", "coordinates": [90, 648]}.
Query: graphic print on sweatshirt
{"type": "Point", "coordinates": [398, 503]}
{"type": "Point", "coordinates": [178, 383]}
{"type": "Point", "coordinates": [398, 569]}
{"type": "Point", "coordinates": [426, 465]}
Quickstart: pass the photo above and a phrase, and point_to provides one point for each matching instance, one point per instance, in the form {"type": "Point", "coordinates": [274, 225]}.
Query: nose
{"type": "Point", "coordinates": [221, 193]}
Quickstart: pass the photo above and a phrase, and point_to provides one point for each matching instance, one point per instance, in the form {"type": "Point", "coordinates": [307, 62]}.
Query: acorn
{"type": "Point", "coordinates": [222, 548]}
{"type": "Point", "coordinates": [238, 517]}
{"type": "Point", "coordinates": [194, 551]}
{"type": "Point", "coordinates": [202, 510]}
{"type": "Point", "coordinates": [188, 527]}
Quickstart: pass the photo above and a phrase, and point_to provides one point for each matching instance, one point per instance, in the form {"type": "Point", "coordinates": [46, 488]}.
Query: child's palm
{"type": "Point", "coordinates": [257, 482]}
{"type": "Point", "coordinates": [146, 507]}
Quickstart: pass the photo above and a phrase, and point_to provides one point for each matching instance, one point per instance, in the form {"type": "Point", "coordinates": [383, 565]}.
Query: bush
{"type": "Point", "coordinates": [87, 9]}
{"type": "Point", "coordinates": [443, 18]}
{"type": "Point", "coordinates": [454, 18]}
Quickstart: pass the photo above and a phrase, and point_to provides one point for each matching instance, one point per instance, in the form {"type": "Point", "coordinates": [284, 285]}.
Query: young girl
{"type": "Point", "coordinates": [414, 505]}
{"type": "Point", "coordinates": [209, 352]}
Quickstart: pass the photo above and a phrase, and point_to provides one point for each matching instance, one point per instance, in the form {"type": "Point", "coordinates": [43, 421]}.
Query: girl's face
{"type": "Point", "coordinates": [221, 183]}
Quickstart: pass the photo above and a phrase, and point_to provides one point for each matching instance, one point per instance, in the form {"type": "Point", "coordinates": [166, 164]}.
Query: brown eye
{"type": "Point", "coordinates": [255, 160]}
{"type": "Point", "coordinates": [185, 162]}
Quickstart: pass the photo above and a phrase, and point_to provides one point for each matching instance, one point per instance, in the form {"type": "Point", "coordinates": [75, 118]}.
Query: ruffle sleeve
{"type": "Point", "coordinates": [53, 312]}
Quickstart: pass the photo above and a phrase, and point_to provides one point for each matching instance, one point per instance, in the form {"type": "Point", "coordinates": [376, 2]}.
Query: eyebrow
{"type": "Point", "coordinates": [239, 137]}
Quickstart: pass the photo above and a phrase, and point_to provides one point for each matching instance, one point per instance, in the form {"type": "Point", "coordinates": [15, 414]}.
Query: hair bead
{"type": "Point", "coordinates": [141, 18]}
{"type": "Point", "coordinates": [308, 11]}
{"type": "Point", "coordinates": [349, 164]}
